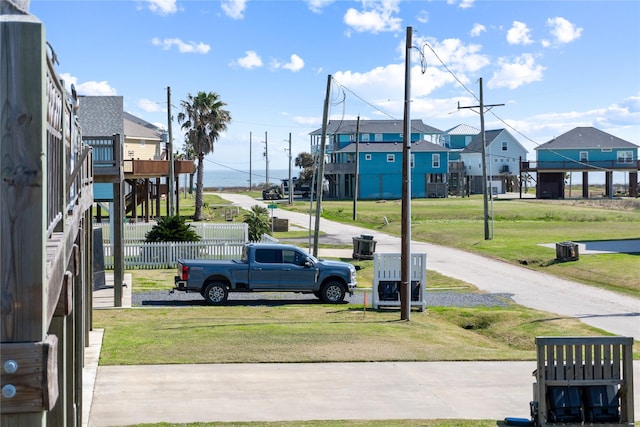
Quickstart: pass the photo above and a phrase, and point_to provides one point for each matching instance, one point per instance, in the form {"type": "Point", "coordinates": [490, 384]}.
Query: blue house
{"type": "Point", "coordinates": [380, 169]}
{"type": "Point", "coordinates": [587, 150]}
{"type": "Point", "coordinates": [379, 144]}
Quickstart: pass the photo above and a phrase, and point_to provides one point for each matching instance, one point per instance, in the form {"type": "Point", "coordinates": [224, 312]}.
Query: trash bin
{"type": "Point", "coordinates": [363, 247]}
{"type": "Point", "coordinates": [567, 251]}
{"type": "Point", "coordinates": [280, 224]}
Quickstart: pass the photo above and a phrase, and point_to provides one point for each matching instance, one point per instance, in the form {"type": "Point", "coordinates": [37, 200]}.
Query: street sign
{"type": "Point", "coordinates": [272, 206]}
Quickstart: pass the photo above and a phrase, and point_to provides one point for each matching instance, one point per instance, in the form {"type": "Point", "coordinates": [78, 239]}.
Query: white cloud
{"type": "Point", "coordinates": [148, 105]}
{"type": "Point", "coordinates": [522, 70]}
{"type": "Point", "coordinates": [90, 88]}
{"type": "Point", "coordinates": [458, 56]}
{"type": "Point", "coordinates": [562, 30]}
{"type": "Point", "coordinates": [316, 6]}
{"type": "Point", "coordinates": [423, 17]}
{"type": "Point", "coordinates": [477, 30]}
{"type": "Point", "coordinates": [250, 60]}
{"type": "Point", "coordinates": [234, 8]}
{"type": "Point", "coordinates": [519, 33]}
{"type": "Point", "coordinates": [376, 16]}
{"type": "Point", "coordinates": [626, 113]}
{"type": "Point", "coordinates": [307, 121]}
{"type": "Point", "coordinates": [183, 47]}
{"type": "Point", "coordinates": [462, 4]}
{"type": "Point", "coordinates": [295, 63]}
{"type": "Point", "coordinates": [162, 7]}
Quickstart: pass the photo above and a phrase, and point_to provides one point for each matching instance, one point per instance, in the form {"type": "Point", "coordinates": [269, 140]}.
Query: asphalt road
{"type": "Point", "coordinates": [612, 312]}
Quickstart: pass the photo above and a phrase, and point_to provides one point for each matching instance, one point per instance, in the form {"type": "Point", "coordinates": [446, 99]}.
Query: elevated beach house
{"type": "Point", "coordinates": [587, 150]}
{"type": "Point", "coordinates": [373, 149]}
{"type": "Point", "coordinates": [503, 155]}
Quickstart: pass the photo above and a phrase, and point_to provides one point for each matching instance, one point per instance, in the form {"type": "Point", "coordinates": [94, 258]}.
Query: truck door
{"type": "Point", "coordinates": [264, 271]}
{"type": "Point", "coordinates": [295, 275]}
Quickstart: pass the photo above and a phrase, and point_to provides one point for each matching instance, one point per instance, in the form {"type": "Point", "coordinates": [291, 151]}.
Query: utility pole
{"type": "Point", "coordinates": [250, 183]}
{"type": "Point", "coordinates": [482, 106]}
{"type": "Point", "coordinates": [356, 177]}
{"type": "Point", "coordinates": [290, 179]}
{"type": "Point", "coordinates": [320, 166]}
{"type": "Point", "coordinates": [405, 255]}
{"type": "Point", "coordinates": [266, 156]}
{"type": "Point", "coordinates": [170, 154]}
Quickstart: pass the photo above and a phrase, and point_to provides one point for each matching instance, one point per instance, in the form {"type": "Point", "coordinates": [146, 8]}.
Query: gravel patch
{"type": "Point", "coordinates": [434, 299]}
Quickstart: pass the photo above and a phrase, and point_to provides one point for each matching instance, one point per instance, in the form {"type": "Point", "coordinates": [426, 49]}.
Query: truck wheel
{"type": "Point", "coordinates": [333, 292]}
{"type": "Point", "coordinates": [216, 293]}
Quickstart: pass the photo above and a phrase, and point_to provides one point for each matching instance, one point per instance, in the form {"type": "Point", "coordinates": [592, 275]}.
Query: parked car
{"type": "Point", "coordinates": [272, 193]}
{"type": "Point", "coordinates": [267, 267]}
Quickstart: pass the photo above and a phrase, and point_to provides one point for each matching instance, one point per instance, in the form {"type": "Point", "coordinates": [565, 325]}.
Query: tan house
{"type": "Point", "coordinates": [142, 140]}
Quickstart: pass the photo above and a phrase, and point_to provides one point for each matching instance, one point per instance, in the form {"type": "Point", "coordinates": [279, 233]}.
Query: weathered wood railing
{"type": "Point", "coordinates": [572, 370]}
{"type": "Point", "coordinates": [45, 221]}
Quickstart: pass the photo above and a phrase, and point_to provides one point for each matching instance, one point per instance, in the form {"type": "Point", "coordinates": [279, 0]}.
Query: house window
{"type": "Point", "coordinates": [584, 156]}
{"type": "Point", "coordinates": [142, 143]}
{"type": "Point", "coordinates": [625, 156]}
{"type": "Point", "coordinates": [365, 137]}
{"type": "Point", "coordinates": [413, 160]}
{"type": "Point", "coordinates": [505, 146]}
{"type": "Point", "coordinates": [391, 158]}
{"type": "Point", "coordinates": [367, 156]}
{"type": "Point", "coordinates": [435, 161]}
{"type": "Point", "coordinates": [378, 137]}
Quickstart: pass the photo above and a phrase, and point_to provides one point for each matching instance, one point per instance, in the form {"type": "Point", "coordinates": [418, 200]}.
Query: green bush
{"type": "Point", "coordinates": [172, 229]}
{"type": "Point", "coordinates": [258, 221]}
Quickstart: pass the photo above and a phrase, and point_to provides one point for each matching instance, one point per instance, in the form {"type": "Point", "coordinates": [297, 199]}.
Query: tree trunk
{"type": "Point", "coordinates": [199, 199]}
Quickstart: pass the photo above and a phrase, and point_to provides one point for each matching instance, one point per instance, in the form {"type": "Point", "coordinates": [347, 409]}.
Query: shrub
{"type": "Point", "coordinates": [258, 221]}
{"type": "Point", "coordinates": [172, 229]}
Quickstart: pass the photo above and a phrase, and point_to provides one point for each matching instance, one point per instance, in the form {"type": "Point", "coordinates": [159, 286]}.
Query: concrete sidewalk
{"type": "Point", "coordinates": [125, 395]}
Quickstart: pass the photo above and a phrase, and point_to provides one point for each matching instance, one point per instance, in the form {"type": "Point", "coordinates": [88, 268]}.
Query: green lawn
{"type": "Point", "coordinates": [518, 227]}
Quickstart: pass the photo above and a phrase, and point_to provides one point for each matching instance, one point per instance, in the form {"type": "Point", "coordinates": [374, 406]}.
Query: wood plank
{"type": "Point", "coordinates": [35, 379]}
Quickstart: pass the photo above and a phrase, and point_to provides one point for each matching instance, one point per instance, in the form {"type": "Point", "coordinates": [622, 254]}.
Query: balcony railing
{"type": "Point", "coordinates": [69, 164]}
{"type": "Point", "coordinates": [598, 165]}
{"type": "Point", "coordinates": [155, 168]}
{"type": "Point", "coordinates": [339, 168]}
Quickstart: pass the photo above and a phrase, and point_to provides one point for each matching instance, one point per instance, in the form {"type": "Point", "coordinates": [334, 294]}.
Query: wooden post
{"type": "Point", "coordinates": [23, 201]}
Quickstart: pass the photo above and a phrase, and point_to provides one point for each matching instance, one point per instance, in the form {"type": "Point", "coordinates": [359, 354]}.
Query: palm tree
{"type": "Point", "coordinates": [203, 119]}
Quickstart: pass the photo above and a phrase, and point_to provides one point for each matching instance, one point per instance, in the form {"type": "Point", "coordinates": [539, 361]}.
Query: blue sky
{"type": "Point", "coordinates": [554, 64]}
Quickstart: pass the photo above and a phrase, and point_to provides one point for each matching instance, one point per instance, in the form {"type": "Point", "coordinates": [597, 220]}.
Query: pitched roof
{"type": "Point", "coordinates": [462, 129]}
{"type": "Point", "coordinates": [475, 146]}
{"type": "Point", "coordinates": [585, 138]}
{"type": "Point", "coordinates": [375, 126]}
{"type": "Point", "coordinates": [135, 127]}
{"type": "Point", "coordinates": [101, 115]}
{"type": "Point", "coordinates": [392, 147]}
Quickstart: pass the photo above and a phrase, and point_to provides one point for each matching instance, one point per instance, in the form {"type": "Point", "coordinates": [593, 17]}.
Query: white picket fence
{"type": "Point", "coordinates": [219, 241]}
{"type": "Point", "coordinates": [221, 232]}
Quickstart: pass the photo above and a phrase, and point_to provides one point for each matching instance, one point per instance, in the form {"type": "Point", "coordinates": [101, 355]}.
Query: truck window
{"type": "Point", "coordinates": [269, 256]}
{"type": "Point", "coordinates": [290, 256]}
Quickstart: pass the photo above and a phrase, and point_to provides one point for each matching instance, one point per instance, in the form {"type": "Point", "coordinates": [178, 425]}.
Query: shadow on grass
{"type": "Point", "coordinates": [258, 302]}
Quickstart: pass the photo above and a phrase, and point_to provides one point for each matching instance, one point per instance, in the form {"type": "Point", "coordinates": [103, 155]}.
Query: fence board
{"type": "Point", "coordinates": [136, 232]}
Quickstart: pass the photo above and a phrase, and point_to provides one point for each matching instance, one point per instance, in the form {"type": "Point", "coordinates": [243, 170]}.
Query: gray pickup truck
{"type": "Point", "coordinates": [267, 268]}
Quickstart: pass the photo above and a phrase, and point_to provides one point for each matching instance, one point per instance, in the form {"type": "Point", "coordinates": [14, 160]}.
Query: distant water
{"type": "Point", "coordinates": [216, 178]}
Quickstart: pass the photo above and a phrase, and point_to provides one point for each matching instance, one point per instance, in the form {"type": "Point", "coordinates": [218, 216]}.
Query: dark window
{"type": "Point", "coordinates": [269, 256]}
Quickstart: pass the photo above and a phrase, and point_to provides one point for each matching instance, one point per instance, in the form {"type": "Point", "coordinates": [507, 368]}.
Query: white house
{"type": "Point", "coordinates": [503, 155]}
